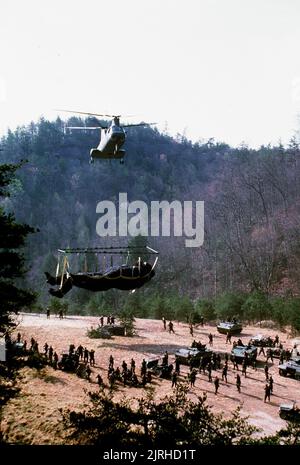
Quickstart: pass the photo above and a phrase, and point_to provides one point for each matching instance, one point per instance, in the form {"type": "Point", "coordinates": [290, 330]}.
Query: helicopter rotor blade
{"type": "Point", "coordinates": [86, 113]}
{"type": "Point", "coordinates": [138, 124]}
{"type": "Point", "coordinates": [84, 128]}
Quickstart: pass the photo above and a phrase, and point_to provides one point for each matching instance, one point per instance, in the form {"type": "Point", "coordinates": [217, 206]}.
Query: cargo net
{"type": "Point", "coordinates": [101, 268]}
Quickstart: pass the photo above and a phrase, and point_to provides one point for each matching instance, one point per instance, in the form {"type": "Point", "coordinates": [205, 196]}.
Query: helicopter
{"type": "Point", "coordinates": [112, 136]}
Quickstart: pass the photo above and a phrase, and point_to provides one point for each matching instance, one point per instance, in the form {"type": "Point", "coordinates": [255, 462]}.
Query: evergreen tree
{"type": "Point", "coordinates": [12, 239]}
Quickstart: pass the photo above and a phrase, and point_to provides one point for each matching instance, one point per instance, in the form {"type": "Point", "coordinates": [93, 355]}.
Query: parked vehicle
{"type": "Point", "coordinates": [290, 368]}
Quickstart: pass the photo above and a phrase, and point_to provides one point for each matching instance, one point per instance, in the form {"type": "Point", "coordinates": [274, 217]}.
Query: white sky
{"type": "Point", "coordinates": [228, 69]}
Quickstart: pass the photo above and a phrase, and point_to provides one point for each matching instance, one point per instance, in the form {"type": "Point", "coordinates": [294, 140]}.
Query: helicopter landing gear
{"type": "Point", "coordinates": [91, 161]}
{"type": "Point", "coordinates": [121, 161]}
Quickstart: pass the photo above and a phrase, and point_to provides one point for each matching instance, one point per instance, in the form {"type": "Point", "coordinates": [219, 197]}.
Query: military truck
{"type": "Point", "coordinates": [229, 327]}
{"type": "Point", "coordinates": [238, 352]}
{"type": "Point", "coordinates": [290, 368]}
{"type": "Point", "coordinates": [192, 356]}
{"type": "Point", "coordinates": [290, 412]}
{"type": "Point", "coordinates": [262, 341]}
{"type": "Point", "coordinates": [157, 368]}
{"type": "Point", "coordinates": [68, 362]}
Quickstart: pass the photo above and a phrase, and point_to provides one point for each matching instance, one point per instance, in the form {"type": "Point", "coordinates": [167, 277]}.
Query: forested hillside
{"type": "Point", "coordinates": [252, 206]}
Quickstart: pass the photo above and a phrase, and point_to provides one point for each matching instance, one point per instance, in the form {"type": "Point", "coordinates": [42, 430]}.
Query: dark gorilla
{"type": "Point", "coordinates": [122, 277]}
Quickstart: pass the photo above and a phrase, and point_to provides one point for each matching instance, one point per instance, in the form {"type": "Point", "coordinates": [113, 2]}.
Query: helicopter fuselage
{"type": "Point", "coordinates": [110, 144]}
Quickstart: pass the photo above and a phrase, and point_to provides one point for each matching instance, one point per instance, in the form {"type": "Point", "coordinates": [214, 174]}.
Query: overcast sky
{"type": "Point", "coordinates": [228, 69]}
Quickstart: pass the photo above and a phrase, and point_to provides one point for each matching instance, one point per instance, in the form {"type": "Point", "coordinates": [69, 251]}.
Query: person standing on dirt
{"type": "Point", "coordinates": [224, 373]}
{"type": "Point", "coordinates": [267, 392]}
{"type": "Point", "coordinates": [99, 380]}
{"type": "Point", "coordinates": [112, 320]}
{"type": "Point", "coordinates": [164, 323]}
{"type": "Point", "coordinates": [92, 357]}
{"type": "Point", "coordinates": [111, 362]}
{"type": "Point", "coordinates": [209, 372]}
{"type": "Point", "coordinates": [261, 351]}
{"type": "Point", "coordinates": [244, 368]}
{"type": "Point", "coordinates": [144, 367]}
{"type": "Point", "coordinates": [217, 384]}
{"type": "Point", "coordinates": [266, 371]}
{"type": "Point", "coordinates": [132, 365]}
{"type": "Point", "coordinates": [193, 377]}
{"type": "Point", "coordinates": [86, 355]}
{"type": "Point", "coordinates": [46, 347]}
{"type": "Point", "coordinates": [174, 379]}
{"type": "Point", "coordinates": [101, 321]}
{"type": "Point", "coordinates": [238, 382]}
{"type": "Point", "coordinates": [48, 313]}
{"type": "Point", "coordinates": [55, 360]}
{"type": "Point", "coordinates": [191, 330]}
{"type": "Point", "coordinates": [171, 327]}
{"type": "Point", "coordinates": [80, 351]}
{"type": "Point", "coordinates": [88, 372]}
{"type": "Point", "coordinates": [276, 340]}
{"type": "Point", "coordinates": [177, 365]}
{"type": "Point", "coordinates": [50, 353]}
{"type": "Point", "coordinates": [108, 320]}
{"type": "Point", "coordinates": [271, 383]}
{"type": "Point", "coordinates": [210, 339]}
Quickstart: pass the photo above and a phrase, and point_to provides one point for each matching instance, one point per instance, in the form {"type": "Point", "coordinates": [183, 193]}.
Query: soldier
{"type": "Point", "coordinates": [177, 365]}
{"type": "Point", "coordinates": [19, 337]}
{"type": "Point", "coordinates": [55, 360]}
{"type": "Point", "coordinates": [111, 362]}
{"type": "Point", "coordinates": [92, 357]}
{"type": "Point", "coordinates": [124, 366]}
{"type": "Point", "coordinates": [48, 312]}
{"type": "Point", "coordinates": [50, 353]}
{"type": "Point", "coordinates": [266, 372]}
{"type": "Point", "coordinates": [164, 323]}
{"type": "Point", "coordinates": [46, 347]}
{"type": "Point", "coordinates": [226, 357]}
{"type": "Point", "coordinates": [111, 379]}
{"type": "Point", "coordinates": [281, 359]}
{"type": "Point", "coordinates": [88, 372]}
{"type": "Point", "coordinates": [99, 380]}
{"type": "Point", "coordinates": [86, 355]}
{"type": "Point", "coordinates": [112, 320]}
{"type": "Point", "coordinates": [267, 393]}
{"type": "Point", "coordinates": [144, 367]}
{"type": "Point", "coordinates": [244, 369]}
{"type": "Point", "coordinates": [171, 327]}
{"type": "Point", "coordinates": [217, 384]}
{"type": "Point", "coordinates": [191, 330]}
{"type": "Point", "coordinates": [235, 363]}
{"type": "Point", "coordinates": [71, 349]}
{"type": "Point", "coordinates": [32, 341]}
{"type": "Point", "coordinates": [228, 338]}
{"type": "Point", "coordinates": [144, 380]}
{"type": "Point", "coordinates": [101, 321]}
{"type": "Point", "coordinates": [61, 315]}
{"type": "Point", "coordinates": [193, 377]}
{"type": "Point", "coordinates": [209, 372]}
{"type": "Point", "coordinates": [238, 382]}
{"type": "Point", "coordinates": [271, 383]}
{"type": "Point", "coordinates": [25, 346]}
{"type": "Point", "coordinates": [201, 321]}
{"type": "Point", "coordinates": [134, 380]}
{"type": "Point", "coordinates": [218, 359]}
{"type": "Point", "coordinates": [276, 340]}
{"type": "Point", "coordinates": [224, 373]}
{"type": "Point", "coordinates": [36, 347]}
{"type": "Point", "coordinates": [261, 351]}
{"type": "Point", "coordinates": [165, 360]}
{"type": "Point", "coordinates": [108, 320]}
{"type": "Point", "coordinates": [210, 339]}
{"type": "Point", "coordinates": [149, 376]}
{"type": "Point", "coordinates": [80, 351]}
{"type": "Point", "coordinates": [254, 364]}
{"type": "Point", "coordinates": [132, 365]}
{"type": "Point", "coordinates": [270, 354]}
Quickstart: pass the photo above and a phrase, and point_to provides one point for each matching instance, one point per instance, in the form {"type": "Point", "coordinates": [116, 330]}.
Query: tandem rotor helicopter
{"type": "Point", "coordinates": [112, 137]}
